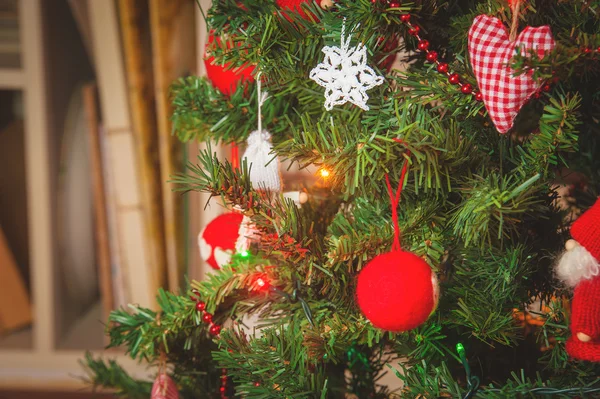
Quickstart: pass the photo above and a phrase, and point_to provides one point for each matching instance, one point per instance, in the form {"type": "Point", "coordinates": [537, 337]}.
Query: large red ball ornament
{"type": "Point", "coordinates": [397, 291]}
{"type": "Point", "coordinates": [224, 77]}
{"type": "Point", "coordinates": [217, 240]}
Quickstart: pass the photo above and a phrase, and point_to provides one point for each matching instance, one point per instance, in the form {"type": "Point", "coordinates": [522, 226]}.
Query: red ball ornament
{"type": "Point", "coordinates": [207, 318]}
{"type": "Point", "coordinates": [466, 88]}
{"type": "Point", "coordinates": [394, 4]}
{"type": "Point", "coordinates": [200, 306]}
{"type": "Point", "coordinates": [423, 45]}
{"type": "Point", "coordinates": [454, 79]}
{"type": "Point", "coordinates": [442, 67]}
{"type": "Point", "coordinates": [432, 56]}
{"type": "Point", "coordinates": [397, 291]}
{"type": "Point", "coordinates": [224, 77]}
{"type": "Point", "coordinates": [405, 18]}
{"type": "Point", "coordinates": [478, 96]}
{"type": "Point", "coordinates": [217, 240]}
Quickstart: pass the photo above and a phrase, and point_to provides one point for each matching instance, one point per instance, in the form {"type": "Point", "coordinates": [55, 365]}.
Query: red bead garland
{"type": "Point", "coordinates": [454, 78]}
{"type": "Point", "coordinates": [442, 67]}
{"type": "Point", "coordinates": [432, 56]}
{"type": "Point", "coordinates": [213, 329]}
{"type": "Point", "coordinates": [466, 88]}
{"type": "Point", "coordinates": [423, 45]}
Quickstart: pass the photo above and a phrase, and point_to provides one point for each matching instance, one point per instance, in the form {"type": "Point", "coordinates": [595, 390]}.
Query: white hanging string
{"type": "Point", "coordinates": [262, 97]}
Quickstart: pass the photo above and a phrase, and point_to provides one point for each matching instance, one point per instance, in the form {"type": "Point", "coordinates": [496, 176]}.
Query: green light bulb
{"type": "Point", "coordinates": [460, 348]}
{"type": "Point", "coordinates": [245, 254]}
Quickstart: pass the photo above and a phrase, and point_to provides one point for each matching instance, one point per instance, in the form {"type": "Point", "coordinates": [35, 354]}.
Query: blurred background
{"type": "Point", "coordinates": [88, 221]}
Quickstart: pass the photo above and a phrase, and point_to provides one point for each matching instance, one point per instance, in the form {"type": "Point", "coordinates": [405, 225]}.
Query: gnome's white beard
{"type": "Point", "coordinates": [576, 265]}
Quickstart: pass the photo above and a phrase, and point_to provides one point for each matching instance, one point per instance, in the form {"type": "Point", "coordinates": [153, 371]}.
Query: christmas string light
{"type": "Point", "coordinates": [324, 172]}
{"type": "Point", "coordinates": [473, 383]}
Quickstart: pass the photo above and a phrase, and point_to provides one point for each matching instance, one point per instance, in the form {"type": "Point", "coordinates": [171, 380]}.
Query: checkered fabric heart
{"type": "Point", "coordinates": [490, 51]}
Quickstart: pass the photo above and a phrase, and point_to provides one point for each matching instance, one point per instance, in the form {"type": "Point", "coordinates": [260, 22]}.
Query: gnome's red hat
{"type": "Point", "coordinates": [586, 230]}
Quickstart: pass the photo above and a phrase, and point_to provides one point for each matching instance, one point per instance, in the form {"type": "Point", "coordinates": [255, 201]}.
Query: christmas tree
{"type": "Point", "coordinates": [447, 186]}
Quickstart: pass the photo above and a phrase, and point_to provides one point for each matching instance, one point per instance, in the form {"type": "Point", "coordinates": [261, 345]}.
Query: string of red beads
{"type": "Point", "coordinates": [214, 329]}
{"type": "Point", "coordinates": [432, 57]}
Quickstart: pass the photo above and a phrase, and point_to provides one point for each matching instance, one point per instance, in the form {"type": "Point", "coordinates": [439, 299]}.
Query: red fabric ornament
{"type": "Point", "coordinates": [585, 318]}
{"type": "Point", "coordinates": [586, 230]}
{"type": "Point", "coordinates": [224, 77]}
{"type": "Point", "coordinates": [294, 5]}
{"type": "Point", "coordinates": [397, 291]}
{"type": "Point", "coordinates": [490, 52]}
{"type": "Point", "coordinates": [585, 305]}
{"type": "Point", "coordinates": [217, 240]}
{"type": "Point", "coordinates": [164, 388]}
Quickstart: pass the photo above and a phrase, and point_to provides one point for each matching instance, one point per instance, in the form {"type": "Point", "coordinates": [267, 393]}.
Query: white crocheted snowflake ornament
{"type": "Point", "coordinates": [345, 75]}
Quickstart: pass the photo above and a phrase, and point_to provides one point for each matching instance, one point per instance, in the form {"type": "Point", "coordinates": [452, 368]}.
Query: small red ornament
{"type": "Point", "coordinates": [389, 45]}
{"type": "Point", "coordinates": [200, 306]}
{"type": "Point", "coordinates": [478, 96]}
{"type": "Point", "coordinates": [414, 31]}
{"type": "Point", "coordinates": [394, 4]}
{"type": "Point", "coordinates": [546, 87]}
{"type": "Point", "coordinates": [215, 329]}
{"type": "Point", "coordinates": [217, 240]}
{"type": "Point", "coordinates": [257, 384]}
{"type": "Point", "coordinates": [405, 18]}
{"type": "Point", "coordinates": [295, 5]}
{"type": "Point", "coordinates": [397, 291]}
{"type": "Point", "coordinates": [466, 88]}
{"type": "Point", "coordinates": [222, 389]}
{"type": "Point", "coordinates": [454, 79]}
{"type": "Point", "coordinates": [224, 77]}
{"type": "Point", "coordinates": [442, 67]}
{"type": "Point", "coordinates": [207, 318]}
{"type": "Point", "coordinates": [431, 56]}
{"type": "Point", "coordinates": [164, 388]}
{"type": "Point", "coordinates": [423, 45]}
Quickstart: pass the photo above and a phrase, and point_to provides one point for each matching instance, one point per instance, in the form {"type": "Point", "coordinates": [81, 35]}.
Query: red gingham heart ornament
{"type": "Point", "coordinates": [490, 51]}
{"type": "Point", "coordinates": [164, 388]}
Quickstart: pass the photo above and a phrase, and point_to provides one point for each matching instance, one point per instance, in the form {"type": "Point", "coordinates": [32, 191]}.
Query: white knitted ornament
{"type": "Point", "coordinates": [345, 74]}
{"type": "Point", "coordinates": [264, 167]}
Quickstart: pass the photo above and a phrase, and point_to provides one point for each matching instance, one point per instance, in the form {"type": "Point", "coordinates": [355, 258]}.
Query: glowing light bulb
{"type": "Point", "coordinates": [260, 282]}
{"type": "Point", "coordinates": [460, 348]}
{"type": "Point", "coordinates": [325, 173]}
{"type": "Point", "coordinates": [245, 254]}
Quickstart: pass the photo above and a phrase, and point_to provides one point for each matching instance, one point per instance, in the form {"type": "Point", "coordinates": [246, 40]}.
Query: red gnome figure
{"type": "Point", "coordinates": [579, 268]}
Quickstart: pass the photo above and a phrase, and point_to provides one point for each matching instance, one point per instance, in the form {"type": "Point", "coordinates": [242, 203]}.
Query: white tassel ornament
{"type": "Point", "coordinates": [264, 167]}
